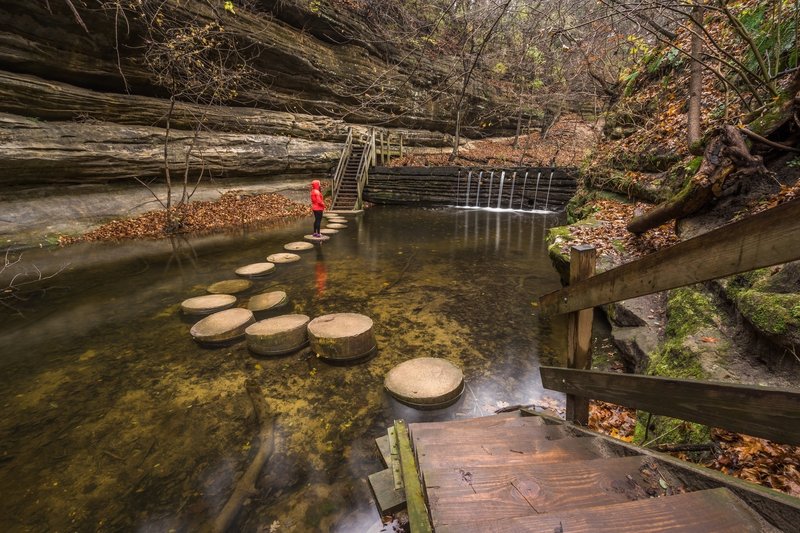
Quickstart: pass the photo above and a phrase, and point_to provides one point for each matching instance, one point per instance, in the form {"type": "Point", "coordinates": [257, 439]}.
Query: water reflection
{"type": "Point", "coordinates": [112, 418]}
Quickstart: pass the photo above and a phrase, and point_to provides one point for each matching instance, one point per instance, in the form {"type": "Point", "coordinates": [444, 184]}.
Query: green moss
{"type": "Point", "coordinates": [694, 165]}
{"type": "Point", "coordinates": [673, 359]}
{"type": "Point", "coordinates": [688, 310]}
{"type": "Point", "coordinates": [771, 313]}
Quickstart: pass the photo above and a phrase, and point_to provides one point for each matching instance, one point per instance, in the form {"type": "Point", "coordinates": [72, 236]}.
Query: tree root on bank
{"type": "Point", "coordinates": [246, 486]}
{"type": "Point", "coordinates": [726, 156]}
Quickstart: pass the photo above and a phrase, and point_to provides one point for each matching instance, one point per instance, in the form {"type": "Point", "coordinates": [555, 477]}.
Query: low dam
{"type": "Point", "coordinates": [516, 188]}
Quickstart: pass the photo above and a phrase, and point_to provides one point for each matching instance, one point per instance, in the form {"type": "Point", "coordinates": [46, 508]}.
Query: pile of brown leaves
{"type": "Point", "coordinates": [232, 209]}
{"type": "Point", "coordinates": [613, 420]}
{"type": "Point", "coordinates": [759, 461]}
{"type": "Point", "coordinates": [566, 144]}
{"type": "Point", "coordinates": [610, 236]}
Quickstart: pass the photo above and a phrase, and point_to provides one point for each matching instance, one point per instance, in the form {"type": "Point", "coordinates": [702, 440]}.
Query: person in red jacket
{"type": "Point", "coordinates": [317, 206]}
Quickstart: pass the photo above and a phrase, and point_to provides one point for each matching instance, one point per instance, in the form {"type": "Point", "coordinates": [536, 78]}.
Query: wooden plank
{"type": "Point", "coordinates": [501, 419]}
{"type": "Point", "coordinates": [491, 493]}
{"type": "Point", "coordinates": [388, 499]}
{"type": "Point", "coordinates": [474, 454]}
{"type": "Point", "coordinates": [765, 412]}
{"type": "Point", "coordinates": [417, 510]}
{"type": "Point", "coordinates": [394, 458]}
{"type": "Point", "coordinates": [707, 511]}
{"type": "Point", "coordinates": [384, 450]}
{"type": "Point", "coordinates": [479, 434]}
{"type": "Point", "coordinates": [579, 331]}
{"type": "Point", "coordinates": [765, 239]}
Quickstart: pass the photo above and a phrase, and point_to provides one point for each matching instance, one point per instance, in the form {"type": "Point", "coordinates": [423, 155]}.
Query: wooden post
{"type": "Point", "coordinates": [401, 145]}
{"type": "Point", "coordinates": [383, 150]}
{"type": "Point", "coordinates": [415, 495]}
{"type": "Point", "coordinates": [579, 331]}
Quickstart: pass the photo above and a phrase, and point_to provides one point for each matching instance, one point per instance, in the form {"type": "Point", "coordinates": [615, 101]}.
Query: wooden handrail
{"type": "Point", "coordinates": [765, 239]}
{"type": "Point", "coordinates": [337, 176]}
{"type": "Point", "coordinates": [362, 175]}
{"type": "Point", "coordinates": [765, 412]}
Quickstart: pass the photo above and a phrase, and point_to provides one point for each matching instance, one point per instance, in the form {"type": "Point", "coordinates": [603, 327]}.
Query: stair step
{"type": "Point", "coordinates": [705, 511]}
{"type": "Point", "coordinates": [465, 454]}
{"type": "Point", "coordinates": [445, 435]}
{"type": "Point", "coordinates": [504, 419]}
{"type": "Point", "coordinates": [458, 495]}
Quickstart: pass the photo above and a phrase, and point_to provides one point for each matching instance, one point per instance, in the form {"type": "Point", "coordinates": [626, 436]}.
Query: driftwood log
{"type": "Point", "coordinates": [246, 487]}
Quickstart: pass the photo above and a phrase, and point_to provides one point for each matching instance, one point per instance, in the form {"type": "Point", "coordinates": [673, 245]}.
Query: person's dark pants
{"type": "Point", "coordinates": [317, 221]}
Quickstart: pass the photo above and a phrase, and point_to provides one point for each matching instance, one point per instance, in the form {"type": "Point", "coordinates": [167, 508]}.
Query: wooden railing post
{"type": "Point", "coordinates": [579, 331]}
{"type": "Point", "coordinates": [401, 145]}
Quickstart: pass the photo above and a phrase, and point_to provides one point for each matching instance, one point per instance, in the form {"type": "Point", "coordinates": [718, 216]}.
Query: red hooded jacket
{"type": "Point", "coordinates": [317, 202]}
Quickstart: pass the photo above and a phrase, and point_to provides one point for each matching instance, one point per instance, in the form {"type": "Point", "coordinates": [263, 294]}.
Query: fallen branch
{"type": "Point", "coordinates": [763, 140]}
{"type": "Point", "coordinates": [246, 487]}
{"type": "Point", "coordinates": [705, 447]}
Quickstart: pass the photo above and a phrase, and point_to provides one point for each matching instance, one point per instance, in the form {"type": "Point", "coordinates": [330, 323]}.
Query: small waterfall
{"type": "Point", "coordinates": [478, 194]}
{"type": "Point", "coordinates": [549, 183]}
{"type": "Point", "coordinates": [458, 187]}
{"type": "Point", "coordinates": [469, 182]}
{"type": "Point", "coordinates": [536, 194]}
{"type": "Point", "coordinates": [500, 192]}
{"type": "Point", "coordinates": [489, 196]}
{"type": "Point", "coordinates": [513, 184]}
{"type": "Point", "coordinates": [524, 184]}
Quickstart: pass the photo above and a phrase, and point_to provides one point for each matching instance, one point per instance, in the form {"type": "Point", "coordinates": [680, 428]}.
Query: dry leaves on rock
{"type": "Point", "coordinates": [613, 420]}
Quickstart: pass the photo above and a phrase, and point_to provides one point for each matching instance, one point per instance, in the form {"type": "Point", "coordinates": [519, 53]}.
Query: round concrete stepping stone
{"type": "Point", "coordinates": [255, 270]}
{"type": "Point", "coordinates": [279, 335]}
{"type": "Point", "coordinates": [316, 239]}
{"type": "Point", "coordinates": [425, 382]}
{"type": "Point", "coordinates": [336, 225]}
{"type": "Point", "coordinates": [224, 326]}
{"type": "Point", "coordinates": [329, 231]}
{"type": "Point", "coordinates": [229, 286]}
{"type": "Point", "coordinates": [266, 301]}
{"type": "Point", "coordinates": [283, 257]}
{"type": "Point", "coordinates": [298, 246]}
{"type": "Point", "coordinates": [210, 303]}
{"type": "Point", "coordinates": [338, 220]}
{"type": "Point", "coordinates": [342, 336]}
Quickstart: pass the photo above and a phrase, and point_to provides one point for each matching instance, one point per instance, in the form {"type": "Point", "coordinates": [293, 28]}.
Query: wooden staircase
{"type": "Point", "coordinates": [521, 472]}
{"type": "Point", "coordinates": [346, 197]}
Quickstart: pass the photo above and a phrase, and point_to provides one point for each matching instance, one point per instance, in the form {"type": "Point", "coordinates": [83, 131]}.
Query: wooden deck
{"type": "Point", "coordinates": [520, 473]}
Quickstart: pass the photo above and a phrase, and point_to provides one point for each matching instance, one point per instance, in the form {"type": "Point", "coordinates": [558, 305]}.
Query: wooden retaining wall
{"type": "Point", "coordinates": [544, 188]}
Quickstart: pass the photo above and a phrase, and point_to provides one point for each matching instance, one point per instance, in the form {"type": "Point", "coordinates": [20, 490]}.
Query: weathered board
{"type": "Point", "coordinates": [387, 498]}
{"type": "Point", "coordinates": [765, 239]}
{"type": "Point", "coordinates": [758, 411]}
{"type": "Point", "coordinates": [415, 497]}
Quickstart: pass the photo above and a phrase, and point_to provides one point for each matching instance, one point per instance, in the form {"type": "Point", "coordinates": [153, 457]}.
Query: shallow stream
{"type": "Point", "coordinates": [112, 418]}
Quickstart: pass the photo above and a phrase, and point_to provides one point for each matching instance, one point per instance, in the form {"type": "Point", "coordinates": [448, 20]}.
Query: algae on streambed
{"type": "Point", "coordinates": [112, 418]}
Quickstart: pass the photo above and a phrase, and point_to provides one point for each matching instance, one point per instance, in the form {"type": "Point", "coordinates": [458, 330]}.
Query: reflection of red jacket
{"type": "Point", "coordinates": [317, 203]}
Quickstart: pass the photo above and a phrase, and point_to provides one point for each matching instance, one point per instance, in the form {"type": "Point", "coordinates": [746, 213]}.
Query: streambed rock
{"type": "Point", "coordinates": [342, 336]}
{"type": "Point", "coordinates": [279, 335]}
{"type": "Point", "coordinates": [210, 303]}
{"type": "Point", "coordinates": [223, 326]}
{"type": "Point", "coordinates": [425, 382]}
{"type": "Point", "coordinates": [255, 270]}
{"type": "Point", "coordinates": [229, 286]}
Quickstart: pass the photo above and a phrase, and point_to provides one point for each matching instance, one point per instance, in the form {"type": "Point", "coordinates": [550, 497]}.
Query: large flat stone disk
{"type": "Point", "coordinates": [328, 231]}
{"type": "Point", "coordinates": [298, 246]}
{"type": "Point", "coordinates": [266, 301]}
{"type": "Point", "coordinates": [283, 257]}
{"type": "Point", "coordinates": [224, 326]}
{"type": "Point", "coordinates": [255, 270]}
{"type": "Point", "coordinates": [338, 220]}
{"type": "Point", "coordinates": [342, 336]}
{"type": "Point", "coordinates": [279, 335]}
{"type": "Point", "coordinates": [316, 239]}
{"type": "Point", "coordinates": [425, 382]}
{"type": "Point", "coordinates": [210, 303]}
{"type": "Point", "coordinates": [229, 286]}
{"type": "Point", "coordinates": [336, 225]}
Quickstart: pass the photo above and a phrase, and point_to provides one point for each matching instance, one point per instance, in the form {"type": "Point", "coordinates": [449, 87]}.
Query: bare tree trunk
{"type": "Point", "coordinates": [694, 129]}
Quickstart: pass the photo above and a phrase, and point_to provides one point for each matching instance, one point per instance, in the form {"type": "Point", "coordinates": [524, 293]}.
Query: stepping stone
{"type": "Point", "coordinates": [338, 220]}
{"type": "Point", "coordinates": [425, 382]}
{"type": "Point", "coordinates": [298, 246]}
{"type": "Point", "coordinates": [283, 257]}
{"type": "Point", "coordinates": [316, 239]}
{"type": "Point", "coordinates": [266, 301]}
{"type": "Point", "coordinates": [255, 270]}
{"type": "Point", "coordinates": [336, 225]}
{"type": "Point", "coordinates": [328, 231]}
{"type": "Point", "coordinates": [279, 335]}
{"type": "Point", "coordinates": [224, 326]}
{"type": "Point", "coordinates": [210, 303]}
{"type": "Point", "coordinates": [342, 336]}
{"type": "Point", "coordinates": [229, 286]}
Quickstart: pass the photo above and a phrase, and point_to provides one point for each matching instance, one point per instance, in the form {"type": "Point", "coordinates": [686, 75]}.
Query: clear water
{"type": "Point", "coordinates": [112, 418]}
